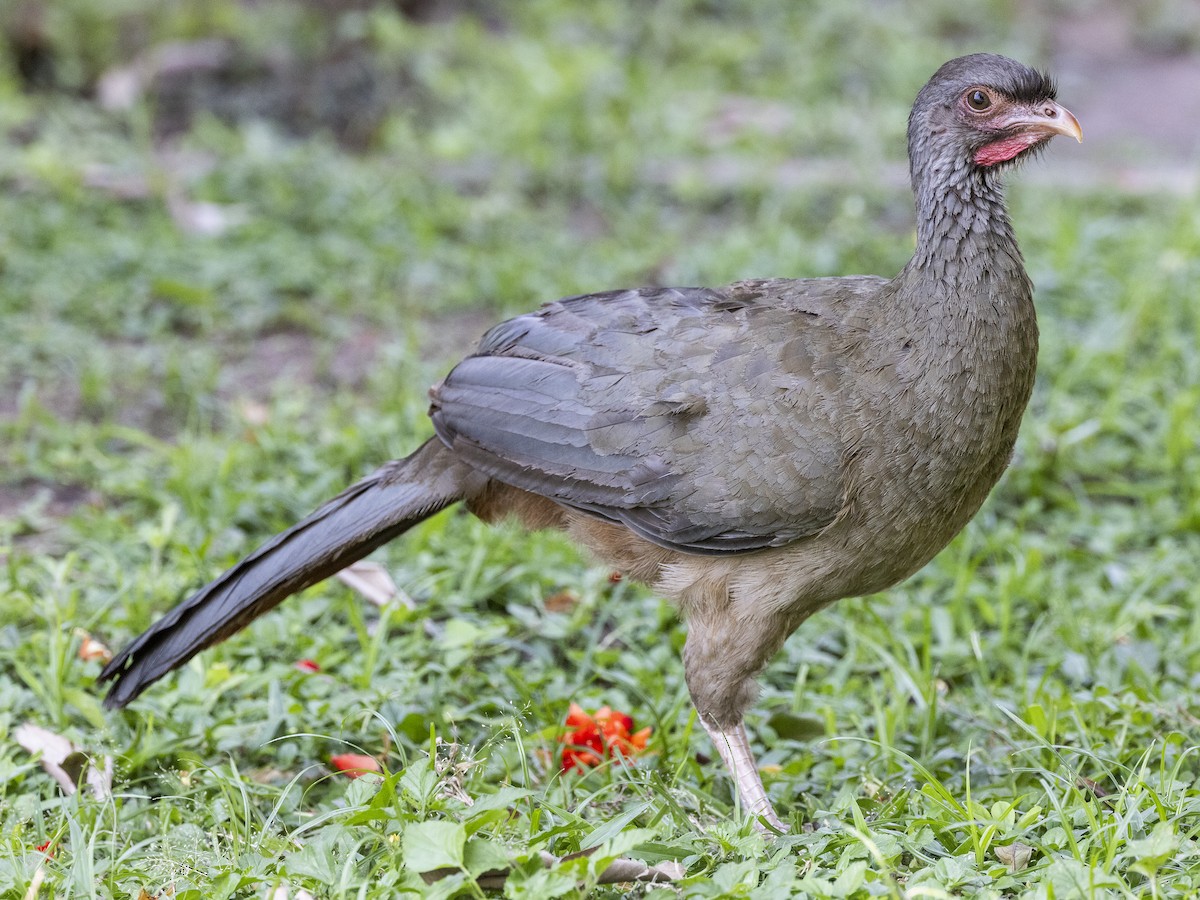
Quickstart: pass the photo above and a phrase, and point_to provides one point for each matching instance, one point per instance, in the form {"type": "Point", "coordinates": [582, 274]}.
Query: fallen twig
{"type": "Point", "coordinates": [619, 871]}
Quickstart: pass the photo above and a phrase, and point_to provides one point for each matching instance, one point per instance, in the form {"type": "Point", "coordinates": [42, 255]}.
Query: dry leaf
{"type": "Point", "coordinates": [253, 413]}
{"type": "Point", "coordinates": [35, 883]}
{"type": "Point", "coordinates": [372, 581]}
{"type": "Point", "coordinates": [280, 892]}
{"type": "Point", "coordinates": [563, 601]}
{"type": "Point", "coordinates": [269, 775]}
{"type": "Point", "coordinates": [201, 218]}
{"type": "Point", "coordinates": [1096, 789]}
{"type": "Point", "coordinates": [65, 762]}
{"type": "Point", "coordinates": [122, 88]}
{"type": "Point", "coordinates": [1015, 855]}
{"type": "Point", "coordinates": [90, 648]}
{"type": "Point", "coordinates": [119, 185]}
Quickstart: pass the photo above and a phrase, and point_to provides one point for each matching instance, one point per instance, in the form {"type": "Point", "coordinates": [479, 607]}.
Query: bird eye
{"type": "Point", "coordinates": [978, 100]}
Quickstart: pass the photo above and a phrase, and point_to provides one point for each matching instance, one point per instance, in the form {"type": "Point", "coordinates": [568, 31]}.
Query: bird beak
{"type": "Point", "coordinates": [1046, 118]}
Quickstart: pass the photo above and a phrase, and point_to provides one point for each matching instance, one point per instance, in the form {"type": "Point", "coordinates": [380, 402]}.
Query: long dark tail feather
{"type": "Point", "coordinates": [361, 518]}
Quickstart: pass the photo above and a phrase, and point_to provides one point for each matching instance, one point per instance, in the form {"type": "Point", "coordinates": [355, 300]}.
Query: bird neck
{"type": "Point", "coordinates": [963, 230]}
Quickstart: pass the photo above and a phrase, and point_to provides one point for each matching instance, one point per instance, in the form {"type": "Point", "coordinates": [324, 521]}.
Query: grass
{"type": "Point", "coordinates": [171, 399]}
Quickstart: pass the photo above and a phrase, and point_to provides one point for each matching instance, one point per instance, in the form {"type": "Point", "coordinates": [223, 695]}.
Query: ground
{"type": "Point", "coordinates": [215, 320]}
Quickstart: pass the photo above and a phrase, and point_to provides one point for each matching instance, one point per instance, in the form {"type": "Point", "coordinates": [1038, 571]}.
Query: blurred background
{"type": "Point", "coordinates": [315, 179]}
{"type": "Point", "coordinates": [347, 68]}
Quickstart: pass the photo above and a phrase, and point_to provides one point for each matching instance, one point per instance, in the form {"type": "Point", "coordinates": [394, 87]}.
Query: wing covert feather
{"type": "Point", "coordinates": [704, 420]}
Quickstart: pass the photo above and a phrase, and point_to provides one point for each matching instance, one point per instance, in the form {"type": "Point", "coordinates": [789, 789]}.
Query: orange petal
{"type": "Point", "coordinates": [573, 758]}
{"type": "Point", "coordinates": [354, 764]}
{"type": "Point", "coordinates": [577, 718]}
{"type": "Point", "coordinates": [616, 720]}
{"type": "Point", "coordinates": [586, 735]}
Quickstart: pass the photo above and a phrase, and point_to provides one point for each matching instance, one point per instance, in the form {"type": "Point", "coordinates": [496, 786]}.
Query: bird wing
{"type": "Point", "coordinates": [704, 420]}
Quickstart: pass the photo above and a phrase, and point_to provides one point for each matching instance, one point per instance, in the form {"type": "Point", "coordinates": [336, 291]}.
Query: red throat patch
{"type": "Point", "coordinates": [1006, 148]}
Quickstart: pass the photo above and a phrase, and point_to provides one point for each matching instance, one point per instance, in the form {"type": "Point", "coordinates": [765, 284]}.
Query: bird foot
{"type": "Point", "coordinates": [734, 747]}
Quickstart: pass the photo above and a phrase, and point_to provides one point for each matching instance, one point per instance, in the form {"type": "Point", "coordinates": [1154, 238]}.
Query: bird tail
{"type": "Point", "coordinates": [364, 516]}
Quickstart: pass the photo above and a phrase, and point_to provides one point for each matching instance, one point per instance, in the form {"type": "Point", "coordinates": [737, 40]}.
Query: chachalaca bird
{"type": "Point", "coordinates": [753, 452]}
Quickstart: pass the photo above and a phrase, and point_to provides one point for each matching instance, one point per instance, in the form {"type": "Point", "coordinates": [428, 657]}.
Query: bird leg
{"type": "Point", "coordinates": [724, 652]}
{"type": "Point", "coordinates": [734, 746]}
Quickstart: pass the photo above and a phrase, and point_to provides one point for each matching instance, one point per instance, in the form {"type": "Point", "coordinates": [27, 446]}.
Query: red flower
{"type": "Point", "coordinates": [589, 739]}
{"type": "Point", "coordinates": [354, 764]}
{"type": "Point", "coordinates": [45, 848]}
{"type": "Point", "coordinates": [307, 665]}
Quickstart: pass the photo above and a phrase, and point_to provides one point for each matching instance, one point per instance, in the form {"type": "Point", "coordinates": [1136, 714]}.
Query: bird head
{"type": "Point", "coordinates": [980, 113]}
